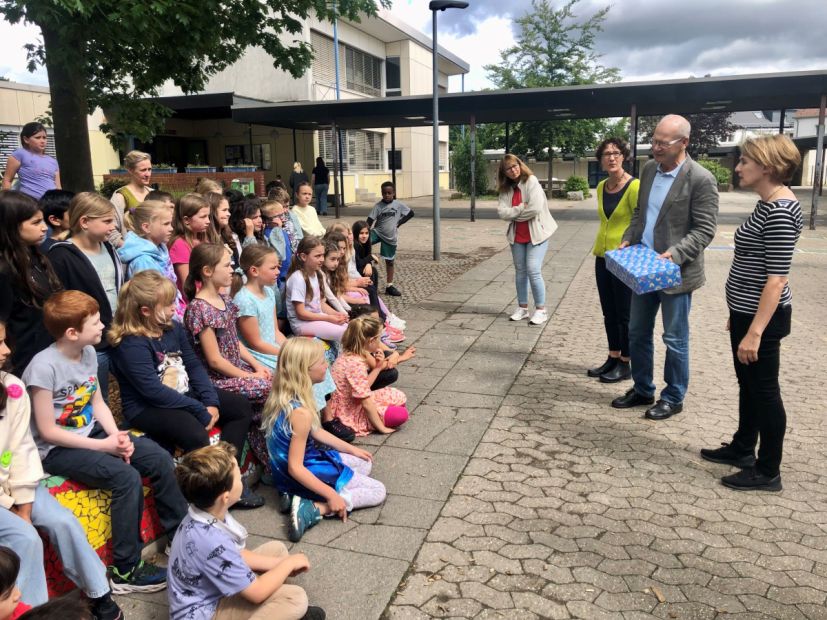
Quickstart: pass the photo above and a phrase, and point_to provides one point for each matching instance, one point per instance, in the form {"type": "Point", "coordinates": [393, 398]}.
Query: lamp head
{"type": "Point", "coordinates": [441, 5]}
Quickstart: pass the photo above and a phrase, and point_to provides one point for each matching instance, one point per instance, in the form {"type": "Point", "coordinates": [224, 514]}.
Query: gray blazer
{"type": "Point", "coordinates": [686, 223]}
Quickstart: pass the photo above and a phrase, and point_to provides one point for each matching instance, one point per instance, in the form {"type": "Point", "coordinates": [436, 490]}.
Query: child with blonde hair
{"type": "Point", "coordinates": [192, 226]}
{"type": "Point", "coordinates": [325, 475]}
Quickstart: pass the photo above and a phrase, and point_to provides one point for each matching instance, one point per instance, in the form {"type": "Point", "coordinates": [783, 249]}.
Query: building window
{"type": "Point", "coordinates": [362, 149]}
{"type": "Point", "coordinates": [443, 156]}
{"type": "Point", "coordinates": [393, 79]}
{"type": "Point", "coordinates": [240, 155]}
{"type": "Point", "coordinates": [363, 72]}
{"type": "Point", "coordinates": [395, 160]}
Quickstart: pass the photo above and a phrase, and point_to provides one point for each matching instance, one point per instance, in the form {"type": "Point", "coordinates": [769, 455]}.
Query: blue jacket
{"type": "Point", "coordinates": [138, 254]}
{"type": "Point", "coordinates": [137, 363]}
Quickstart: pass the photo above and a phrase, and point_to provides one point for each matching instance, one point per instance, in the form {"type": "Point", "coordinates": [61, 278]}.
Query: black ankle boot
{"type": "Point", "coordinates": [604, 368]}
{"type": "Point", "coordinates": [621, 372]}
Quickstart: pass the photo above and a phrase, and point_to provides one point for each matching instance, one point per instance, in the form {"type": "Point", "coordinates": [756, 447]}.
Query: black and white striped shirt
{"type": "Point", "coordinates": [764, 246]}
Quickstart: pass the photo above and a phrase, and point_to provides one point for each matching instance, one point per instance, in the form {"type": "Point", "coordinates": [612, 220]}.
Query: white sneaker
{"type": "Point", "coordinates": [539, 317]}
{"type": "Point", "coordinates": [519, 315]}
{"type": "Point", "coordinates": [395, 321]}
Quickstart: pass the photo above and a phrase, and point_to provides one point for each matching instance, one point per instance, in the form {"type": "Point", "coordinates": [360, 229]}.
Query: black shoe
{"type": "Point", "coordinates": [248, 499]}
{"type": "Point", "coordinates": [104, 608]}
{"type": "Point", "coordinates": [285, 499]}
{"type": "Point", "coordinates": [621, 372]}
{"type": "Point", "coordinates": [603, 368]}
{"type": "Point", "coordinates": [393, 291]}
{"type": "Point", "coordinates": [663, 410]}
{"type": "Point", "coordinates": [632, 399]}
{"type": "Point", "coordinates": [314, 613]}
{"type": "Point", "coordinates": [339, 429]}
{"type": "Point", "coordinates": [752, 480]}
{"type": "Point", "coordinates": [727, 455]}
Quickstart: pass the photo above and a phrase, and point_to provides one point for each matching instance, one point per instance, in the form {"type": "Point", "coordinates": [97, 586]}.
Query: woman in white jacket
{"type": "Point", "coordinates": [523, 204]}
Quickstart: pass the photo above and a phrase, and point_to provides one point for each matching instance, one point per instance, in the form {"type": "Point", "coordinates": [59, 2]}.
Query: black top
{"type": "Point", "coordinates": [296, 178]}
{"type": "Point", "coordinates": [612, 199]}
{"type": "Point", "coordinates": [322, 175]}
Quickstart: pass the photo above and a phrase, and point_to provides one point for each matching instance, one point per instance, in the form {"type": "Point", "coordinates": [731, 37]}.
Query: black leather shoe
{"type": "Point", "coordinates": [728, 455]}
{"type": "Point", "coordinates": [632, 399]}
{"type": "Point", "coordinates": [663, 410]}
{"type": "Point", "coordinates": [603, 368]}
{"type": "Point", "coordinates": [752, 480]}
{"type": "Point", "coordinates": [621, 372]}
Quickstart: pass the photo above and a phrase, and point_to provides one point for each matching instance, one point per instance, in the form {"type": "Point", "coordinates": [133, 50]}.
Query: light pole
{"type": "Point", "coordinates": [434, 6]}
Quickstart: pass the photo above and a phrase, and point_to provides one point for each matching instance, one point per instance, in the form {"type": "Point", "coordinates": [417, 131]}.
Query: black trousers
{"type": "Point", "coordinates": [615, 301]}
{"type": "Point", "coordinates": [178, 428]}
{"type": "Point", "coordinates": [761, 411]}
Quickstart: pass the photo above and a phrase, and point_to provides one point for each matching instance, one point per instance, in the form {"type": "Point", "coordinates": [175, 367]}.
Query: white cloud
{"type": "Point", "coordinates": [13, 55]}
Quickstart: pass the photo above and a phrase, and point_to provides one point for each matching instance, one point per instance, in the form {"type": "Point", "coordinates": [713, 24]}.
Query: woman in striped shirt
{"type": "Point", "coordinates": [760, 310]}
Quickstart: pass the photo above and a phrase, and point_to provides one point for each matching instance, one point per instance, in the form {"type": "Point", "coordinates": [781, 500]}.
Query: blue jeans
{"type": "Point", "coordinates": [320, 190]}
{"type": "Point", "coordinates": [675, 310]}
{"type": "Point", "coordinates": [528, 267]}
{"type": "Point", "coordinates": [80, 562]}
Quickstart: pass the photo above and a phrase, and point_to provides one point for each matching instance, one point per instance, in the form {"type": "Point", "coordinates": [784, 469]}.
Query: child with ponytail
{"type": "Point", "coordinates": [192, 226]}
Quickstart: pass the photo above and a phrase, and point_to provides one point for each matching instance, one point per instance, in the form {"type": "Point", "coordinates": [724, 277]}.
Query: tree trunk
{"type": "Point", "coordinates": [69, 109]}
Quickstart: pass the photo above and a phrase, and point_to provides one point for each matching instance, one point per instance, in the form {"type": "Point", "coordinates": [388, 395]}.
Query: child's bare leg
{"type": "Point", "coordinates": [389, 270]}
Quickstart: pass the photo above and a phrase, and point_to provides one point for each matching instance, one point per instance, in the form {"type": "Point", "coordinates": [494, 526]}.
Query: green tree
{"type": "Point", "coordinates": [554, 48]}
{"type": "Point", "coordinates": [708, 130]}
{"type": "Point", "coordinates": [461, 165]}
{"type": "Point", "coordinates": [114, 54]}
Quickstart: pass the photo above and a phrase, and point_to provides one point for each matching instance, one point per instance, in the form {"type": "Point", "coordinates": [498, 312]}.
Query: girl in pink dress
{"type": "Point", "coordinates": [354, 371]}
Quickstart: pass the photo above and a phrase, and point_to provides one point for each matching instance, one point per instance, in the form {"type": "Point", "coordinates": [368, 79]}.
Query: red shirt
{"type": "Point", "coordinates": [521, 232]}
{"type": "Point", "coordinates": [21, 609]}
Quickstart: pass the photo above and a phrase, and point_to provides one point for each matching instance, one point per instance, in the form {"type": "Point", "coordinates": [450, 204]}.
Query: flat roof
{"type": "Point", "coordinates": [769, 91]}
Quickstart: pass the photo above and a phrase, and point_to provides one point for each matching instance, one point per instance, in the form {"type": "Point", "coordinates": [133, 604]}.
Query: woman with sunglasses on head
{"type": "Point", "coordinates": [523, 205]}
{"type": "Point", "coordinates": [616, 201]}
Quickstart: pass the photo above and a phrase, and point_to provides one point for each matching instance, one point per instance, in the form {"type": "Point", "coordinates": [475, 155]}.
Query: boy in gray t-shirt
{"type": "Point", "coordinates": [386, 217]}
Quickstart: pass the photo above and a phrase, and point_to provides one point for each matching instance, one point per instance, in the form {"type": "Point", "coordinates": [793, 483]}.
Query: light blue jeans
{"type": "Point", "coordinates": [80, 562]}
{"type": "Point", "coordinates": [528, 268]}
{"type": "Point", "coordinates": [675, 314]}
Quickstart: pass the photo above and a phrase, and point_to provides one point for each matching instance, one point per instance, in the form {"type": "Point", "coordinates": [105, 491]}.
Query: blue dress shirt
{"type": "Point", "coordinates": [661, 185]}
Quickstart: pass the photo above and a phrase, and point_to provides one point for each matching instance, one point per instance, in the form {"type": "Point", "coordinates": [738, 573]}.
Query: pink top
{"type": "Point", "coordinates": [179, 254]}
{"type": "Point", "coordinates": [350, 372]}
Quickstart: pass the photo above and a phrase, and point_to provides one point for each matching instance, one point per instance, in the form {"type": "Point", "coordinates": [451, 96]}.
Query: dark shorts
{"type": "Point", "coordinates": [386, 250]}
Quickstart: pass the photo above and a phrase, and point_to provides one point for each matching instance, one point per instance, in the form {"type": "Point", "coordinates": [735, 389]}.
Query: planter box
{"type": "Point", "coordinates": [235, 169]}
{"type": "Point", "coordinates": [117, 171]}
{"type": "Point", "coordinates": [201, 169]}
{"type": "Point", "coordinates": [164, 170]}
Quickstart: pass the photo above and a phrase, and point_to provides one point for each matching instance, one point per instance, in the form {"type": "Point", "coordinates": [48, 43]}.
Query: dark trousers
{"type": "Point", "coordinates": [615, 301]}
{"type": "Point", "coordinates": [101, 470]}
{"type": "Point", "coordinates": [385, 377]}
{"type": "Point", "coordinates": [178, 428]}
{"type": "Point", "coordinates": [761, 411]}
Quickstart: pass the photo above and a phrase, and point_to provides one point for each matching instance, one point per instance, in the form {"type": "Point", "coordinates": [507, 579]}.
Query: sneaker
{"type": "Point", "coordinates": [752, 480]}
{"type": "Point", "coordinates": [104, 608]}
{"type": "Point", "coordinates": [394, 335]}
{"type": "Point", "coordinates": [314, 613]}
{"type": "Point", "coordinates": [285, 500]}
{"type": "Point", "coordinates": [538, 318]}
{"type": "Point", "coordinates": [144, 577]}
{"type": "Point", "coordinates": [727, 455]}
{"type": "Point", "coordinates": [248, 499]}
{"type": "Point", "coordinates": [519, 315]}
{"type": "Point", "coordinates": [387, 341]}
{"type": "Point", "coordinates": [303, 516]}
{"type": "Point", "coordinates": [393, 291]}
{"type": "Point", "coordinates": [395, 322]}
{"type": "Point", "coordinates": [339, 429]}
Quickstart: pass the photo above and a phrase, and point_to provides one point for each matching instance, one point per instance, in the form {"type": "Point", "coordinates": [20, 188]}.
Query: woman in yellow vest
{"type": "Point", "coordinates": [139, 167]}
{"type": "Point", "coordinates": [616, 200]}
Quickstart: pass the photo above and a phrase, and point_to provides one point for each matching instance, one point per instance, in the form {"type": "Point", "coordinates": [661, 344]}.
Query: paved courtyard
{"type": "Point", "coordinates": [516, 491]}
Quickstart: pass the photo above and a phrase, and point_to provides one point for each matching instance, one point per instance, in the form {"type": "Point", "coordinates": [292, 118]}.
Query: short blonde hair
{"type": "Point", "coordinates": [133, 158]}
{"type": "Point", "coordinates": [90, 205]}
{"type": "Point", "coordinates": [776, 152]}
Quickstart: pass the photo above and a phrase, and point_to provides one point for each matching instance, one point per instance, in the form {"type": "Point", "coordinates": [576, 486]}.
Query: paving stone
{"type": "Point", "coordinates": [385, 540]}
{"type": "Point", "coordinates": [485, 595]}
{"type": "Point", "coordinates": [421, 588]}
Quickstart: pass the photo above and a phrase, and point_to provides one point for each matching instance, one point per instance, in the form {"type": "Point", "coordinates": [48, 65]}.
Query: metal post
{"type": "Point", "coordinates": [633, 137]}
{"type": "Point", "coordinates": [435, 163]}
{"type": "Point", "coordinates": [341, 167]}
{"type": "Point", "coordinates": [819, 171]}
{"type": "Point", "coordinates": [462, 127]}
{"type": "Point", "coordinates": [336, 165]}
{"type": "Point", "coordinates": [550, 170]}
{"type": "Point", "coordinates": [781, 120]}
{"type": "Point", "coordinates": [473, 167]}
{"type": "Point", "coordinates": [506, 137]}
{"type": "Point", "coordinates": [393, 151]}
{"type": "Point", "coordinates": [295, 152]}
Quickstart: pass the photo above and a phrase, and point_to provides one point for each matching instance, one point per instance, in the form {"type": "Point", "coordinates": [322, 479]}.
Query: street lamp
{"type": "Point", "coordinates": [434, 6]}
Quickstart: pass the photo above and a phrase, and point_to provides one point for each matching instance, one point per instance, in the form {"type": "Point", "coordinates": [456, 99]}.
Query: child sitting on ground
{"type": "Point", "coordinates": [386, 217]}
{"type": "Point", "coordinates": [355, 402]}
{"type": "Point", "coordinates": [212, 575]}
{"type": "Point", "coordinates": [77, 438]}
{"type": "Point", "coordinates": [325, 475]}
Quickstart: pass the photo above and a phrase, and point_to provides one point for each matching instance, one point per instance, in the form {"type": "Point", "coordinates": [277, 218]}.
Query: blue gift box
{"type": "Point", "coordinates": [641, 270]}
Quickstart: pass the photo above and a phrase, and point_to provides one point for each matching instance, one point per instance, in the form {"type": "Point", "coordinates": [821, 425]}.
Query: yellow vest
{"type": "Point", "coordinates": [611, 230]}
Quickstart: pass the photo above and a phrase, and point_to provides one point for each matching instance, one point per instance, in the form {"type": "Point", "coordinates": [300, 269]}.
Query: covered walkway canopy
{"type": "Point", "coordinates": [770, 91]}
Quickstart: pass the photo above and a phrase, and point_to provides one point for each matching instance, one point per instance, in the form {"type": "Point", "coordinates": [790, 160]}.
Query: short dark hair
{"type": "Point", "coordinates": [157, 194]}
{"type": "Point", "coordinates": [65, 607]}
{"type": "Point", "coordinates": [9, 569]}
{"type": "Point", "coordinates": [206, 473]}
{"type": "Point", "coordinates": [388, 184]}
{"type": "Point", "coordinates": [55, 203]}
{"type": "Point", "coordinates": [30, 129]}
{"type": "Point", "coordinates": [620, 143]}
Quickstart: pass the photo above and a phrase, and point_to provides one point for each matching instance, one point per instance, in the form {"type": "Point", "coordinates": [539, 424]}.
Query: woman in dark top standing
{"type": "Point", "coordinates": [26, 277]}
{"type": "Point", "coordinates": [321, 183]}
{"type": "Point", "coordinates": [760, 312]}
{"type": "Point", "coordinates": [297, 177]}
{"type": "Point", "coordinates": [616, 201]}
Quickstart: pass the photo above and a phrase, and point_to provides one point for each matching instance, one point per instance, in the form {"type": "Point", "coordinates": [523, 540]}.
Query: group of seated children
{"type": "Point", "coordinates": [190, 314]}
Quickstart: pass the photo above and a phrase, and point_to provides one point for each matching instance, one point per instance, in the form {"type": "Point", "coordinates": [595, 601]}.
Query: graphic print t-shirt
{"type": "Point", "coordinates": [73, 385]}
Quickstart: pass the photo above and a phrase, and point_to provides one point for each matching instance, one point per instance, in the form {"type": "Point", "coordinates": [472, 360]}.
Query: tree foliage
{"type": "Point", "coordinates": [554, 48]}
{"type": "Point", "coordinates": [114, 54]}
{"type": "Point", "coordinates": [708, 130]}
{"type": "Point", "coordinates": [461, 165]}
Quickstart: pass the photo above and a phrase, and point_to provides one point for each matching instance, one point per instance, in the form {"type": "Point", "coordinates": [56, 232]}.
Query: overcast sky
{"type": "Point", "coordinates": [645, 39]}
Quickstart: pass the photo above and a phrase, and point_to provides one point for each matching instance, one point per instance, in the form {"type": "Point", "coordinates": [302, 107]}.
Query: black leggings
{"type": "Point", "coordinates": [178, 428]}
{"type": "Point", "coordinates": [615, 302]}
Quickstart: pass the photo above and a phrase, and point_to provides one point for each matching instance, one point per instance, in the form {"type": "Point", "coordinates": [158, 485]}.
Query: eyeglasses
{"type": "Point", "coordinates": [513, 166]}
{"type": "Point", "coordinates": [612, 154]}
{"type": "Point", "coordinates": [660, 144]}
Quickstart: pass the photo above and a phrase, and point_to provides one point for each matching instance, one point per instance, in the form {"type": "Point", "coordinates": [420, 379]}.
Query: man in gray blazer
{"type": "Point", "coordinates": [676, 216]}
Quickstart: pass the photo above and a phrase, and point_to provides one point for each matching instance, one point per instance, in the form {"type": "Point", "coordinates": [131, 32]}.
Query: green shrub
{"type": "Point", "coordinates": [723, 176]}
{"type": "Point", "coordinates": [577, 184]}
{"type": "Point", "coordinates": [461, 165]}
{"type": "Point", "coordinates": [107, 188]}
